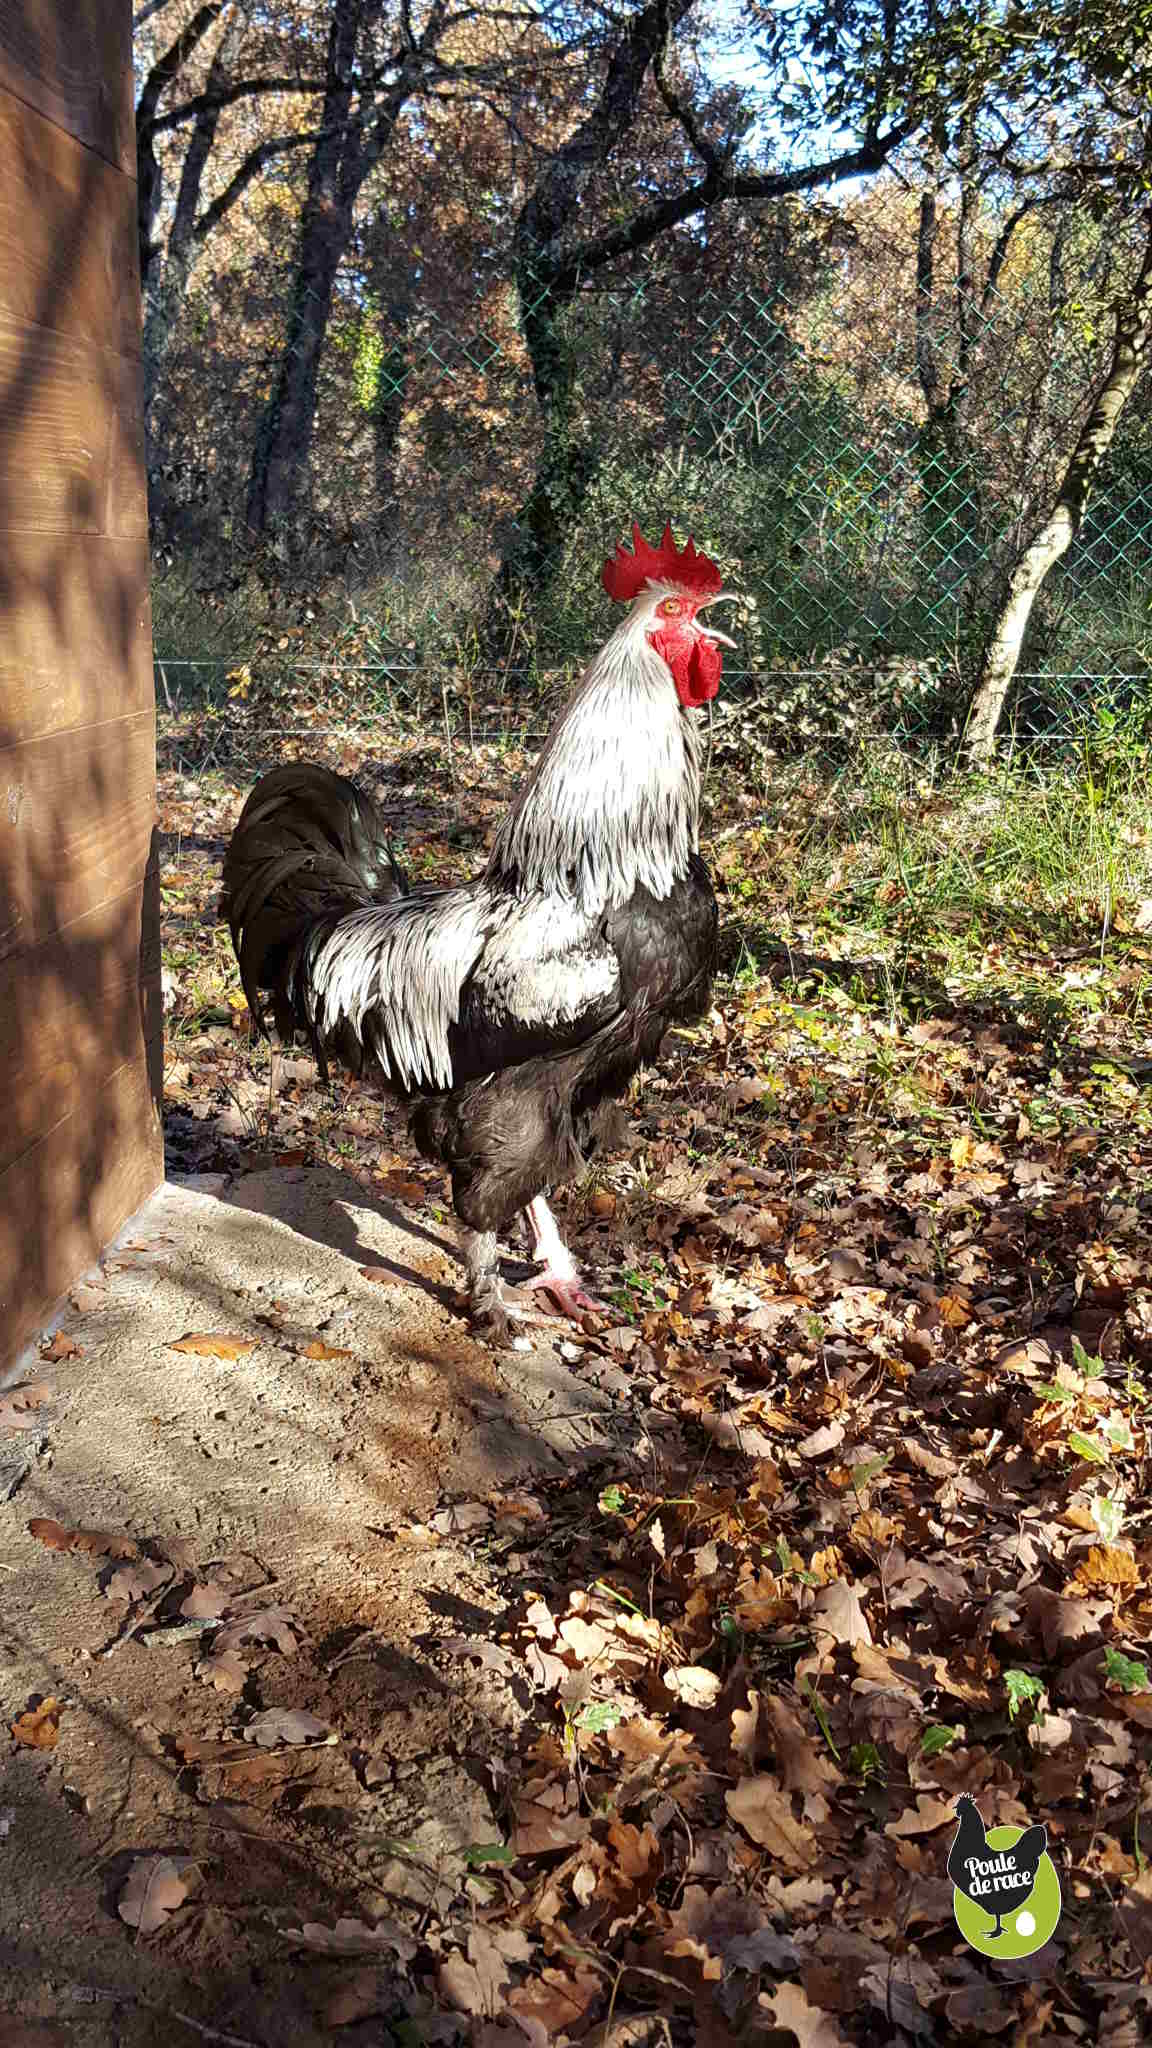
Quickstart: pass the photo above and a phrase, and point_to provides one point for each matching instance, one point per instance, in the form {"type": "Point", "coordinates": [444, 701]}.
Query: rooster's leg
{"type": "Point", "coordinates": [491, 1310]}
{"type": "Point", "coordinates": [560, 1278]}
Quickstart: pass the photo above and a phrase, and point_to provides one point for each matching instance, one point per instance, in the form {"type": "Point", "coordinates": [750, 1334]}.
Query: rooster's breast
{"type": "Point", "coordinates": [666, 947]}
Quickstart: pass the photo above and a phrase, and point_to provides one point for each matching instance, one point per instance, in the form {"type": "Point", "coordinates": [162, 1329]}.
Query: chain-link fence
{"type": "Point", "coordinates": [864, 460]}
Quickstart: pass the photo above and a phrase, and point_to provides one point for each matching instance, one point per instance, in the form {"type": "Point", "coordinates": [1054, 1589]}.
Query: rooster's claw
{"type": "Point", "coordinates": [569, 1297]}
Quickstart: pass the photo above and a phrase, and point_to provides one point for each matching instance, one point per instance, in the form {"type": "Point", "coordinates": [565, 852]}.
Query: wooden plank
{"type": "Point", "coordinates": [68, 252]}
{"type": "Point", "coordinates": [80, 1028]}
{"type": "Point", "coordinates": [77, 1007]}
{"type": "Point", "coordinates": [71, 439]}
{"type": "Point", "coordinates": [72, 60]}
{"type": "Point", "coordinates": [75, 633]}
{"type": "Point", "coordinates": [67, 1195]}
{"type": "Point", "coordinates": [77, 815]}
{"type": "Point", "coordinates": [126, 475]}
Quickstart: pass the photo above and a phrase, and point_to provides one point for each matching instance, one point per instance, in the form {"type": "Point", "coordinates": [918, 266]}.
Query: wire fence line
{"type": "Point", "coordinates": [865, 468]}
{"type": "Point", "coordinates": [201, 731]}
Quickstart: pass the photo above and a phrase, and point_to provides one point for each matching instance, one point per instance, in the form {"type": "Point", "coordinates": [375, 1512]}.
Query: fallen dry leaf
{"type": "Point", "coordinates": [1108, 1565]}
{"type": "Point", "coordinates": [693, 1686]}
{"type": "Point", "coordinates": [557, 2000]}
{"type": "Point", "coordinates": [137, 1581]}
{"type": "Point", "coordinates": [586, 1639]}
{"type": "Point", "coordinates": [224, 1670]}
{"type": "Point", "coordinates": [496, 1656]}
{"type": "Point", "coordinates": [319, 1349]}
{"type": "Point", "coordinates": [61, 1347]}
{"type": "Point", "coordinates": [39, 1728]}
{"type": "Point", "coordinates": [930, 1813]}
{"type": "Point", "coordinates": [539, 1829]}
{"type": "Point", "coordinates": [355, 1938]}
{"type": "Point", "coordinates": [764, 1810]}
{"type": "Point", "coordinates": [207, 1602]}
{"type": "Point", "coordinates": [156, 1886]}
{"type": "Point", "coordinates": [465, 1514]}
{"type": "Point", "coordinates": [358, 1997]}
{"type": "Point", "coordinates": [801, 1762]}
{"type": "Point", "coordinates": [793, 2014]}
{"type": "Point", "coordinates": [836, 1611]}
{"type": "Point", "coordinates": [27, 1406]}
{"type": "Point", "coordinates": [208, 1345]}
{"type": "Point", "coordinates": [474, 1984]}
{"type": "Point", "coordinates": [197, 1751]}
{"type": "Point", "coordinates": [95, 1542]}
{"type": "Point", "coordinates": [288, 1725]}
{"type": "Point", "coordinates": [745, 1731]}
{"type": "Point", "coordinates": [266, 1625]}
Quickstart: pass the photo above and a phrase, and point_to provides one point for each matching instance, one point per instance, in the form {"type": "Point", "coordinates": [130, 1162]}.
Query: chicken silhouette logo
{"type": "Point", "coordinates": [1007, 1896]}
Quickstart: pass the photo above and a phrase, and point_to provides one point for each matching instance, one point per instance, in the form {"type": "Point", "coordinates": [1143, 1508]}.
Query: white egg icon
{"type": "Point", "coordinates": [1025, 1925]}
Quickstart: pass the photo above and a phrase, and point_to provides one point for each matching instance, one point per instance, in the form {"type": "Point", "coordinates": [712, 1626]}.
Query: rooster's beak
{"type": "Point", "coordinates": [712, 632]}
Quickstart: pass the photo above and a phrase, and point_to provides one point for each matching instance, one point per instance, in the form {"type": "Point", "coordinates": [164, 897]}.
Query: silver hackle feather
{"type": "Point", "coordinates": [613, 804]}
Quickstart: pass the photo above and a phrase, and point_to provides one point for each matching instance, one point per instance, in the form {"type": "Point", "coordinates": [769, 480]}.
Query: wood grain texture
{"type": "Point", "coordinates": [75, 634]}
{"type": "Point", "coordinates": [71, 437]}
{"type": "Point", "coordinates": [72, 61]}
{"type": "Point", "coordinates": [77, 1007]}
{"type": "Point", "coordinates": [77, 815]}
{"type": "Point", "coordinates": [80, 1038]}
{"type": "Point", "coordinates": [69, 1193]}
{"type": "Point", "coordinates": [68, 257]}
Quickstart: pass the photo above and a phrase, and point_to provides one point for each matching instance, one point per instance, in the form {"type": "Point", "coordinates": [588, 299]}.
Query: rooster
{"type": "Point", "coordinates": [511, 1010]}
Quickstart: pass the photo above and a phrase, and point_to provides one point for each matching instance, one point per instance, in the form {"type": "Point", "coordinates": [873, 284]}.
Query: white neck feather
{"type": "Point", "coordinates": [615, 797]}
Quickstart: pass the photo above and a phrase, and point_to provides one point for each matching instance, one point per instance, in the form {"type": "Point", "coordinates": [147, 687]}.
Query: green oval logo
{"type": "Point", "coordinates": [1007, 1894]}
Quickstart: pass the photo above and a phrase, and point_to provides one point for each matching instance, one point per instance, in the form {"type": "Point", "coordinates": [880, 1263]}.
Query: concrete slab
{"type": "Point", "coordinates": [305, 1466]}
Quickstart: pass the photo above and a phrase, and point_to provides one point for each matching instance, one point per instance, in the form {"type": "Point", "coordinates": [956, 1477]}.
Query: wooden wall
{"type": "Point", "coordinates": [80, 1047]}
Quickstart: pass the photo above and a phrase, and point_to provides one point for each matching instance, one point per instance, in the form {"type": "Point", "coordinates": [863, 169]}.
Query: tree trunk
{"type": "Point", "coordinates": [393, 279]}
{"type": "Point", "coordinates": [149, 184]}
{"type": "Point", "coordinates": [167, 286]}
{"type": "Point", "coordinates": [546, 287]}
{"type": "Point", "coordinates": [1002, 654]}
{"type": "Point", "coordinates": [285, 430]}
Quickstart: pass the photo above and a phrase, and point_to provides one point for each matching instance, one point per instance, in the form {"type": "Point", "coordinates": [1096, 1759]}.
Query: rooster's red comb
{"type": "Point", "coordinates": [626, 574]}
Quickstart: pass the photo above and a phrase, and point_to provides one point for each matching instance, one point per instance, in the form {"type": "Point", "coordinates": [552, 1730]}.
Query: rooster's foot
{"type": "Point", "coordinates": [494, 1316]}
{"type": "Point", "coordinates": [564, 1290]}
{"type": "Point", "coordinates": [502, 1325]}
{"type": "Point", "coordinates": [559, 1278]}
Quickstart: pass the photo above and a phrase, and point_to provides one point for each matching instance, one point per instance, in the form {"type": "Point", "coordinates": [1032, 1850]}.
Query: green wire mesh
{"type": "Point", "coordinates": [790, 431]}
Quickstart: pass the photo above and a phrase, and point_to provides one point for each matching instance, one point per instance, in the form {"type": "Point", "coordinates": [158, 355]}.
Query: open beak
{"type": "Point", "coordinates": [712, 632]}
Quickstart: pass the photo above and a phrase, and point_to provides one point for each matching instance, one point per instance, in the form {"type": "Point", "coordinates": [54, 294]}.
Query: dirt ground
{"type": "Point", "coordinates": [622, 1691]}
{"type": "Point", "coordinates": [300, 1474]}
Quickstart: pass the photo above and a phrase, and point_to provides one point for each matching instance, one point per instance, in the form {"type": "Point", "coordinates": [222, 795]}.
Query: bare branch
{"type": "Point", "coordinates": [249, 169]}
{"type": "Point", "coordinates": [654, 220]}
{"type": "Point", "coordinates": [679, 109]}
{"type": "Point", "coordinates": [227, 96]}
{"type": "Point", "coordinates": [170, 65]}
{"type": "Point", "coordinates": [999, 255]}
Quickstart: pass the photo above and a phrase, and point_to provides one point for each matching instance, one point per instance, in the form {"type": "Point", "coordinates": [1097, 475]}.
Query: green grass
{"type": "Point", "coordinates": [1032, 852]}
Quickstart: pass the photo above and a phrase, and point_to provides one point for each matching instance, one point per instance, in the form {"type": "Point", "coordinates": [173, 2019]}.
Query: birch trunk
{"type": "Point", "coordinates": [1002, 654]}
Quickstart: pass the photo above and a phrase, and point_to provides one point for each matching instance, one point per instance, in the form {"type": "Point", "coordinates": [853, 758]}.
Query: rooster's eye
{"type": "Point", "coordinates": [671, 608]}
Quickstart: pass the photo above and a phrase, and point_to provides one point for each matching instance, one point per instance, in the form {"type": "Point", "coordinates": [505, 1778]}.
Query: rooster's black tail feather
{"type": "Point", "coordinates": [308, 846]}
